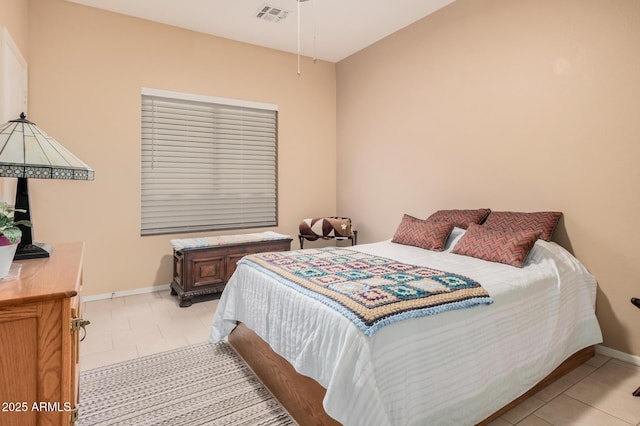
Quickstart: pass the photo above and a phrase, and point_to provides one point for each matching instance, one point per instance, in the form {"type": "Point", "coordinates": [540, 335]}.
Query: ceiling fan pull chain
{"type": "Point", "coordinates": [315, 27]}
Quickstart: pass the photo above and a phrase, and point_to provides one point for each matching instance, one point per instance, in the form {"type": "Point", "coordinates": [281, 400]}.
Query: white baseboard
{"type": "Point", "coordinates": [622, 356]}
{"type": "Point", "coordinates": [143, 290]}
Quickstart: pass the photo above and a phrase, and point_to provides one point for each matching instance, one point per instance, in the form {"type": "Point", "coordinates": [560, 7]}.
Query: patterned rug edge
{"type": "Point", "coordinates": [204, 383]}
{"type": "Point", "coordinates": [261, 382]}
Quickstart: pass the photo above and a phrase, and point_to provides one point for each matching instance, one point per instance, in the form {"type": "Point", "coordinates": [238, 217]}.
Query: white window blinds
{"type": "Point", "coordinates": [207, 165]}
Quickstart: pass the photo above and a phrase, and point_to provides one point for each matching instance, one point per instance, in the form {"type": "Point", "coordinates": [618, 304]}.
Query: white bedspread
{"type": "Point", "coordinates": [453, 368]}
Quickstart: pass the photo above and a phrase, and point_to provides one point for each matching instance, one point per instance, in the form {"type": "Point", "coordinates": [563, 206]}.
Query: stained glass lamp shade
{"type": "Point", "coordinates": [27, 152]}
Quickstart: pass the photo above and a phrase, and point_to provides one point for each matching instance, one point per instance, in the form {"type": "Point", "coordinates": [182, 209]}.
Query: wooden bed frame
{"type": "Point", "coordinates": [302, 396]}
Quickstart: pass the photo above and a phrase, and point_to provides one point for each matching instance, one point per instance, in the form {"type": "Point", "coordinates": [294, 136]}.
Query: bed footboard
{"type": "Point", "coordinates": [302, 396]}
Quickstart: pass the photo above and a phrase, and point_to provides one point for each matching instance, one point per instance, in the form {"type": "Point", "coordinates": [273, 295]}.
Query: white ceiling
{"type": "Point", "coordinates": [340, 27]}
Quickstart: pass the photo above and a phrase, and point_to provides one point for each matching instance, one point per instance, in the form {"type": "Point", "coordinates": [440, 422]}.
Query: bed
{"type": "Point", "coordinates": [457, 367]}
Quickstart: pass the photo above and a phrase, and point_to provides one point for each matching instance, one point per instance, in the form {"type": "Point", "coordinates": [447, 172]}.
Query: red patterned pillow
{"type": "Point", "coordinates": [510, 247]}
{"type": "Point", "coordinates": [460, 218]}
{"type": "Point", "coordinates": [542, 222]}
{"type": "Point", "coordinates": [425, 234]}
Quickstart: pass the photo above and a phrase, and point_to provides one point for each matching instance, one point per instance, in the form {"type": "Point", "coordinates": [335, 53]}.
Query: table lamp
{"type": "Point", "coordinates": [27, 152]}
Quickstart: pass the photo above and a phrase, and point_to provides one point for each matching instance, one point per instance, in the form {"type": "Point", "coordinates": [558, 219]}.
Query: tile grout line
{"type": "Point", "coordinates": [595, 408]}
{"type": "Point", "coordinates": [589, 405]}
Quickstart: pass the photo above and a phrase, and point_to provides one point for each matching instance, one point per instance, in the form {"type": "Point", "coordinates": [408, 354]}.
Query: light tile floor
{"type": "Point", "coordinates": [128, 327]}
{"type": "Point", "coordinates": [122, 328]}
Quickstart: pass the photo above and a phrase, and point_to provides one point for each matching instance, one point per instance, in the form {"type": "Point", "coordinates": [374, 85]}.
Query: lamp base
{"type": "Point", "coordinates": [32, 251]}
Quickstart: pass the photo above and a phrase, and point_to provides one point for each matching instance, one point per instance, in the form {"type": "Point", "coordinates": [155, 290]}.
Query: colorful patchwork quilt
{"type": "Point", "coordinates": [371, 291]}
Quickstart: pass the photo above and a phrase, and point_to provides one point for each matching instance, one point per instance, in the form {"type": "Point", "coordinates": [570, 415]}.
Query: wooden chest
{"type": "Point", "coordinates": [205, 270]}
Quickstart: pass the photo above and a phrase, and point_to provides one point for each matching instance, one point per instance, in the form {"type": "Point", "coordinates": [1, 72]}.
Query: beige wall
{"type": "Point", "coordinates": [14, 16]}
{"type": "Point", "coordinates": [86, 69]}
{"type": "Point", "coordinates": [514, 105]}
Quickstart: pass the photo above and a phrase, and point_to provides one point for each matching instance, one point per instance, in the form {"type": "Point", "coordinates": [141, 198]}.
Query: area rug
{"type": "Point", "coordinates": [204, 384]}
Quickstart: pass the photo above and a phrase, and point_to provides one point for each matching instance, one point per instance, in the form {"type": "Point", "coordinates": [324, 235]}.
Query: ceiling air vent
{"type": "Point", "coordinates": [271, 13]}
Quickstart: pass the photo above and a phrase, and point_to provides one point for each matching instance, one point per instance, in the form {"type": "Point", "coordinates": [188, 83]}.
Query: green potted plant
{"type": "Point", "coordinates": [10, 236]}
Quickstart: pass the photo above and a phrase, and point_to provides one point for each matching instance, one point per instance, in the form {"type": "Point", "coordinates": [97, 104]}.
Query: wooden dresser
{"type": "Point", "coordinates": [39, 347]}
{"type": "Point", "coordinates": [204, 270]}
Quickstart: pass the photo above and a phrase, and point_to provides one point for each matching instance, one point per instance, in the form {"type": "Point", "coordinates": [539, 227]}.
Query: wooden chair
{"type": "Point", "coordinates": [321, 228]}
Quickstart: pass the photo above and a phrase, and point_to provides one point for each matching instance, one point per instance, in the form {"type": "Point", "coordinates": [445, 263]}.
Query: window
{"type": "Point", "coordinates": [207, 163]}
